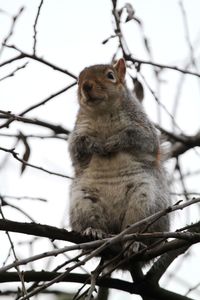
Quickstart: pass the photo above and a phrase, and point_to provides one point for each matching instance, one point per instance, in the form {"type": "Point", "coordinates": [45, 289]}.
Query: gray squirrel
{"type": "Point", "coordinates": [115, 151]}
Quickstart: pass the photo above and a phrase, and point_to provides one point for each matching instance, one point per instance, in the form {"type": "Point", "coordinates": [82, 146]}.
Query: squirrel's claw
{"type": "Point", "coordinates": [96, 234]}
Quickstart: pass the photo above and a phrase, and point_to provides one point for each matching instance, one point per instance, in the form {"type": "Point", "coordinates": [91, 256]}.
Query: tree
{"type": "Point", "coordinates": [34, 139]}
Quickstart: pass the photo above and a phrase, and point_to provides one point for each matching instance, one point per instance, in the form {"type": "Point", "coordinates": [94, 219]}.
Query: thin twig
{"type": "Point", "coordinates": [160, 103]}
{"type": "Point", "coordinates": [93, 278]}
{"type": "Point", "coordinates": [15, 155]}
{"type": "Point", "coordinates": [35, 26]}
{"type": "Point", "coordinates": [47, 99]}
{"type": "Point", "coordinates": [161, 66]}
{"type": "Point", "coordinates": [12, 117]}
{"type": "Point", "coordinates": [24, 198]}
{"type": "Point", "coordinates": [37, 136]}
{"type": "Point", "coordinates": [14, 72]}
{"type": "Point", "coordinates": [45, 62]}
{"type": "Point", "coordinates": [17, 208]}
{"type": "Point", "coordinates": [196, 286]}
{"type": "Point", "coordinates": [187, 35]}
{"type": "Point", "coordinates": [18, 57]}
{"type": "Point", "coordinates": [10, 33]}
{"type": "Point", "coordinates": [20, 274]}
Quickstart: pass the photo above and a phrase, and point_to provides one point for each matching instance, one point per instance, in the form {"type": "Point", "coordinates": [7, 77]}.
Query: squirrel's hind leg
{"type": "Point", "coordinates": [87, 213]}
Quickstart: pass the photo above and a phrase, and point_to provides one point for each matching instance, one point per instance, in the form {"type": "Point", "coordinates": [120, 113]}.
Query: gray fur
{"type": "Point", "coordinates": [119, 178]}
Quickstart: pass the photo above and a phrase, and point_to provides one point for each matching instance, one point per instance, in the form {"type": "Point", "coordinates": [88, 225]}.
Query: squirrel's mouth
{"type": "Point", "coordinates": [93, 99]}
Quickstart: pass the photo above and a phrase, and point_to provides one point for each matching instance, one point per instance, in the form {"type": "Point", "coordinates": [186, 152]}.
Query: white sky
{"type": "Point", "coordinates": [70, 35]}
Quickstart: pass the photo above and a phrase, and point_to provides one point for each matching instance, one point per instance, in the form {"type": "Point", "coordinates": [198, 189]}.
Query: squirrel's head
{"type": "Point", "coordinates": [101, 86]}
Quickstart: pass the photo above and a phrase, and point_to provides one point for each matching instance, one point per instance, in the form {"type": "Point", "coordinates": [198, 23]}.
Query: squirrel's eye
{"type": "Point", "coordinates": [110, 75]}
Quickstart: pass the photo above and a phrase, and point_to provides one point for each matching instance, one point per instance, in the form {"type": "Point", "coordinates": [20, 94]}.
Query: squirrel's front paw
{"type": "Point", "coordinates": [112, 144]}
{"type": "Point", "coordinates": [98, 147]}
{"type": "Point", "coordinates": [96, 234]}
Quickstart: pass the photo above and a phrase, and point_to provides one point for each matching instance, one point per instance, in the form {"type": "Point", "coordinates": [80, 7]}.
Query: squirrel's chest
{"type": "Point", "coordinates": [106, 125]}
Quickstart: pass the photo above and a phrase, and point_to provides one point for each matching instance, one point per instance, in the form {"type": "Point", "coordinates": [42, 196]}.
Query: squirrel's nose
{"type": "Point", "coordinates": [87, 86]}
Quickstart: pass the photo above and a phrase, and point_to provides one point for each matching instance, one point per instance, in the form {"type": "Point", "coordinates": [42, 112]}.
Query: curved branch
{"type": "Point", "coordinates": [142, 288]}
{"type": "Point", "coordinates": [182, 143]}
{"type": "Point", "coordinates": [12, 117]}
{"type": "Point", "coordinates": [24, 162]}
{"type": "Point", "coordinates": [41, 60]}
{"type": "Point", "coordinates": [46, 231]}
{"type": "Point", "coordinates": [48, 98]}
{"type": "Point", "coordinates": [20, 56]}
{"type": "Point", "coordinates": [134, 60]}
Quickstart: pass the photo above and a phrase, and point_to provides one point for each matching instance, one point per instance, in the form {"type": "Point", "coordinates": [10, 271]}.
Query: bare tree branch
{"type": "Point", "coordinates": [20, 274]}
{"type": "Point", "coordinates": [15, 155]}
{"type": "Point", "coordinates": [14, 72]}
{"type": "Point", "coordinates": [24, 198]}
{"type": "Point", "coordinates": [18, 57]}
{"type": "Point", "coordinates": [12, 117]}
{"type": "Point", "coordinates": [41, 60]}
{"type": "Point", "coordinates": [48, 99]}
{"type": "Point", "coordinates": [10, 33]}
{"type": "Point", "coordinates": [136, 288]}
{"type": "Point", "coordinates": [35, 26]}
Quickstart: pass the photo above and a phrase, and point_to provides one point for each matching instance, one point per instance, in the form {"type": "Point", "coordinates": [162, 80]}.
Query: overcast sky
{"type": "Point", "coordinates": [70, 35]}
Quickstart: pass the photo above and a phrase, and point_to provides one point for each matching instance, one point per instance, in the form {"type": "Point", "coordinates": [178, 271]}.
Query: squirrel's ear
{"type": "Point", "coordinates": [120, 67]}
